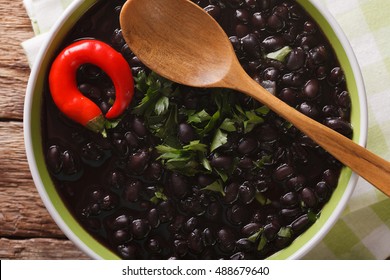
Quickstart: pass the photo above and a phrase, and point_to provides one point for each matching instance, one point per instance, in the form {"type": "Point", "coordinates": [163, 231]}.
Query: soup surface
{"type": "Point", "coordinates": [190, 173]}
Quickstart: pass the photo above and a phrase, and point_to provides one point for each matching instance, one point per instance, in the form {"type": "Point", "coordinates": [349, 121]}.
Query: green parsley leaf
{"type": "Point", "coordinates": [216, 186]}
{"type": "Point", "coordinates": [280, 54]}
{"type": "Point", "coordinates": [228, 125]}
{"type": "Point", "coordinates": [219, 139]}
{"type": "Point", "coordinates": [285, 232]}
{"type": "Point", "coordinates": [162, 105]}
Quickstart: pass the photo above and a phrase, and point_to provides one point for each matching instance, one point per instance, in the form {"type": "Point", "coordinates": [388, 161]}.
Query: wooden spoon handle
{"type": "Point", "coordinates": [366, 164]}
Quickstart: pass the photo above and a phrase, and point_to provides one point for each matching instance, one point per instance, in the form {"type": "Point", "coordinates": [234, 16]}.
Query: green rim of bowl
{"type": "Point", "coordinates": [332, 209]}
{"type": "Point", "coordinates": [47, 190]}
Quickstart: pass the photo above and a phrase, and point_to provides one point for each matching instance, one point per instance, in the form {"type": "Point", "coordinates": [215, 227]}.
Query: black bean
{"type": "Point", "coordinates": [226, 240]}
{"type": "Point", "coordinates": [213, 10]}
{"type": "Point", "coordinates": [281, 11]}
{"type": "Point", "coordinates": [330, 111]}
{"type": "Point", "coordinates": [222, 161]}
{"type": "Point", "coordinates": [283, 172]}
{"type": "Point", "coordinates": [245, 163]}
{"type": "Point", "coordinates": [117, 38]}
{"type": "Point", "coordinates": [309, 27]}
{"type": "Point", "coordinates": [250, 229]}
{"type": "Point", "coordinates": [186, 133]}
{"type": "Point", "coordinates": [153, 218]}
{"type": "Point", "coordinates": [131, 139]}
{"type": "Point", "coordinates": [139, 127]}
{"type": "Point", "coordinates": [296, 59]}
{"type": "Point", "coordinates": [308, 42]}
{"type": "Point", "coordinates": [300, 224]}
{"type": "Point", "coordinates": [275, 23]}
{"type": "Point", "coordinates": [236, 43]}
{"type": "Point", "coordinates": [309, 109]}
{"type": "Point", "coordinates": [322, 191]}
{"type": "Point", "coordinates": [128, 251]}
{"type": "Point", "coordinates": [70, 164]}
{"type": "Point", "coordinates": [271, 230]}
{"type": "Point", "coordinates": [331, 177]}
{"type": "Point", "coordinates": [153, 245]}
{"type": "Point", "coordinates": [109, 202]}
{"type": "Point", "coordinates": [290, 213]}
{"type": "Point", "coordinates": [343, 99]}
{"type": "Point", "coordinates": [237, 214]}
{"type": "Point", "coordinates": [231, 193]}
{"type": "Point", "coordinates": [266, 4]}
{"type": "Point", "coordinates": [208, 237]}
{"type": "Point", "coordinates": [251, 4]}
{"type": "Point", "coordinates": [267, 133]}
{"type": "Point", "coordinates": [311, 90]}
{"type": "Point", "coordinates": [104, 106]}
{"type": "Point", "coordinates": [244, 245]}
{"type": "Point", "coordinates": [259, 21]}
{"type": "Point", "coordinates": [54, 159]}
{"type": "Point", "coordinates": [290, 199]}
{"type": "Point", "coordinates": [213, 211]}
{"type": "Point", "coordinates": [166, 211]}
{"type": "Point", "coordinates": [247, 145]}
{"type": "Point", "coordinates": [195, 242]}
{"type": "Point", "coordinates": [242, 30]}
{"type": "Point", "coordinates": [121, 222]}
{"type": "Point", "coordinates": [132, 191]}
{"type": "Point", "coordinates": [177, 224]}
{"type": "Point", "coordinates": [178, 185]}
{"type": "Point", "coordinates": [273, 43]}
{"type": "Point", "coordinates": [116, 179]}
{"type": "Point", "coordinates": [339, 125]}
{"type": "Point", "coordinates": [180, 247]}
{"type": "Point", "coordinates": [336, 76]}
{"type": "Point", "coordinates": [319, 54]}
{"type": "Point", "coordinates": [138, 161]}
{"type": "Point", "coordinates": [154, 171]}
{"type": "Point", "coordinates": [251, 46]}
{"type": "Point", "coordinates": [271, 73]}
{"type": "Point", "coordinates": [120, 147]}
{"type": "Point", "coordinates": [191, 224]}
{"type": "Point", "coordinates": [246, 193]}
{"type": "Point", "coordinates": [294, 79]}
{"type": "Point", "coordinates": [90, 91]}
{"type": "Point", "coordinates": [321, 72]}
{"type": "Point", "coordinates": [121, 236]}
{"type": "Point", "coordinates": [140, 228]}
{"type": "Point", "coordinates": [242, 15]}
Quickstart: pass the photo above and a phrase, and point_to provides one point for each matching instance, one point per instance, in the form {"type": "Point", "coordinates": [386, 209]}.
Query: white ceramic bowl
{"type": "Point", "coordinates": [62, 216]}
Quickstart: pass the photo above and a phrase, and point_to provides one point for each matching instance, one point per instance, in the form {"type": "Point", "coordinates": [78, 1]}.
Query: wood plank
{"type": "Point", "coordinates": [39, 249]}
{"type": "Point", "coordinates": [22, 213]}
{"type": "Point", "coordinates": [15, 28]}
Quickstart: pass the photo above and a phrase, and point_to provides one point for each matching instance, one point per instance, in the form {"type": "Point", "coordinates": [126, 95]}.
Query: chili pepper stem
{"type": "Point", "coordinates": [96, 124]}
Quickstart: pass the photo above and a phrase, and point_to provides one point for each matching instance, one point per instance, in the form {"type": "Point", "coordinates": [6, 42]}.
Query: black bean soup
{"type": "Point", "coordinates": [192, 173]}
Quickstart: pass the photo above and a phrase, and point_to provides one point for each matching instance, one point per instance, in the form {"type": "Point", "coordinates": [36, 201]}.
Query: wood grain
{"type": "Point", "coordinates": [14, 29]}
{"type": "Point", "coordinates": [39, 249]}
{"type": "Point", "coordinates": [27, 231]}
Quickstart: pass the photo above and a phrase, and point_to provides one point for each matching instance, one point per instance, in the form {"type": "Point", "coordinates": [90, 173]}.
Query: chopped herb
{"type": "Point", "coordinates": [158, 196]}
{"type": "Point", "coordinates": [262, 199]}
{"type": "Point", "coordinates": [285, 232]}
{"type": "Point", "coordinates": [216, 186]}
{"type": "Point", "coordinates": [219, 139]}
{"type": "Point", "coordinates": [280, 54]}
{"type": "Point", "coordinates": [228, 125]}
{"type": "Point", "coordinates": [262, 243]}
{"type": "Point", "coordinates": [162, 105]}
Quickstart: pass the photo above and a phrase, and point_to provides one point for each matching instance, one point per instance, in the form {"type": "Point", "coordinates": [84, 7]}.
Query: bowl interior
{"type": "Point", "coordinates": [93, 248]}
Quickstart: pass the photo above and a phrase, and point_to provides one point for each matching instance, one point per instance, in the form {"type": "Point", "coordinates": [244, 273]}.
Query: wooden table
{"type": "Point", "coordinates": [26, 229]}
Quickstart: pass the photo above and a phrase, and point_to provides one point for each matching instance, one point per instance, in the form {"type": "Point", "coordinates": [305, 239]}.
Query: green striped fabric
{"type": "Point", "coordinates": [363, 231]}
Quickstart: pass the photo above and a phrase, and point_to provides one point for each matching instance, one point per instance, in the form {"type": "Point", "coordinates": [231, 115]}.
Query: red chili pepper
{"type": "Point", "coordinates": [64, 89]}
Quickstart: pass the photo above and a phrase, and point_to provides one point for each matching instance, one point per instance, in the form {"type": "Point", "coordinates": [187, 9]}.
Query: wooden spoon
{"type": "Point", "coordinates": [180, 41]}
